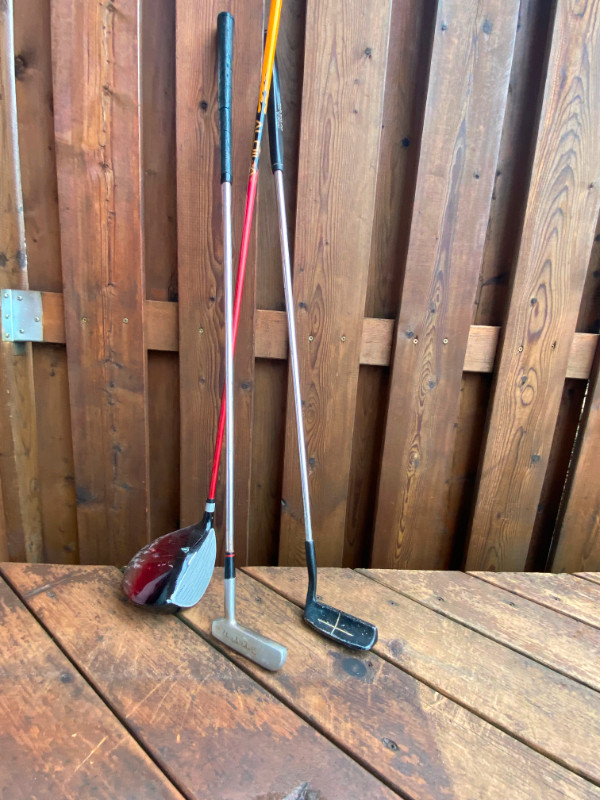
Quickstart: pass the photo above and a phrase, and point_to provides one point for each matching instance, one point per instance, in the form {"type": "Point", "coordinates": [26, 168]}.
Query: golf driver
{"type": "Point", "coordinates": [173, 571]}
{"type": "Point", "coordinates": [331, 622]}
{"type": "Point", "coordinates": [257, 648]}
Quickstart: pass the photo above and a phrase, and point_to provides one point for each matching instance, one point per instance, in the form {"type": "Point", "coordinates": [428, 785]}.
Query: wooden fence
{"type": "Point", "coordinates": [443, 181]}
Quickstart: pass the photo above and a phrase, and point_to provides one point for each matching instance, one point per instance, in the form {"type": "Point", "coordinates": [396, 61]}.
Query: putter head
{"type": "Point", "coordinates": [173, 571]}
{"type": "Point", "coordinates": [343, 628]}
{"type": "Point", "coordinates": [263, 651]}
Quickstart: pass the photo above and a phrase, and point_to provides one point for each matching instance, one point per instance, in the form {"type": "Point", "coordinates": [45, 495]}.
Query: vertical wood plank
{"type": "Point", "coordinates": [468, 83]}
{"type": "Point", "coordinates": [19, 468]}
{"type": "Point", "coordinates": [344, 76]}
{"type": "Point", "coordinates": [97, 129]}
{"type": "Point", "coordinates": [158, 119]}
{"type": "Point", "coordinates": [409, 53]}
{"type": "Point", "coordinates": [560, 221]}
{"type": "Point", "coordinates": [578, 534]}
{"type": "Point", "coordinates": [200, 252]}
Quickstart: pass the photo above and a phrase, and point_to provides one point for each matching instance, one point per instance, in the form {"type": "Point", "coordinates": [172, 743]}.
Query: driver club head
{"type": "Point", "coordinates": [343, 628]}
{"type": "Point", "coordinates": [173, 571]}
{"type": "Point", "coordinates": [263, 651]}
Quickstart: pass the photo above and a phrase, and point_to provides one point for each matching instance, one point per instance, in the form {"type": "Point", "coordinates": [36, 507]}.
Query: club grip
{"type": "Point", "coordinates": [225, 50]}
{"type": "Point", "coordinates": [275, 122]}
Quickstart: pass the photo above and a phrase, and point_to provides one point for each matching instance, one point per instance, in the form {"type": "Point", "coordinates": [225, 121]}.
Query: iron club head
{"type": "Point", "coordinates": [173, 571]}
{"type": "Point", "coordinates": [263, 651]}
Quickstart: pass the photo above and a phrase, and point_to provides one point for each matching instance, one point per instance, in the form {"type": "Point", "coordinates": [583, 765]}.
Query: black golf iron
{"type": "Point", "coordinates": [331, 622]}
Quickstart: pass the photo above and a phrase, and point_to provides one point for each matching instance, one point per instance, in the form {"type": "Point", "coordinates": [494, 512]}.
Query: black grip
{"type": "Point", "coordinates": [225, 50]}
{"type": "Point", "coordinates": [275, 122]}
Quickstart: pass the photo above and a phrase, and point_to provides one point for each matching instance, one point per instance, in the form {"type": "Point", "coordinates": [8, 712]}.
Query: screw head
{"type": "Point", "coordinates": [5, 294]}
{"type": "Point", "coordinates": [125, 320]}
{"type": "Point", "coordinates": [37, 319]}
{"type": "Point", "coordinates": [6, 335]}
{"type": "Point", "coordinates": [19, 297]}
{"type": "Point", "coordinates": [200, 330]}
{"type": "Point", "coordinates": [520, 348]}
{"type": "Point", "coordinates": [445, 341]}
{"type": "Point", "coordinates": [7, 316]}
{"type": "Point", "coordinates": [343, 338]}
{"type": "Point", "coordinates": [84, 319]}
{"type": "Point", "coordinates": [415, 341]}
{"type": "Point", "coordinates": [21, 330]}
{"type": "Point", "coordinates": [310, 338]}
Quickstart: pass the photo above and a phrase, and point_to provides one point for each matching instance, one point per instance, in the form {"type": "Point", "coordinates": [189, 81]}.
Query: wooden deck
{"type": "Point", "coordinates": [481, 686]}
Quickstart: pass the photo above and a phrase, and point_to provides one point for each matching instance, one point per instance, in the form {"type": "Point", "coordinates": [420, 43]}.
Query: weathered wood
{"type": "Point", "coordinates": [578, 543]}
{"type": "Point", "coordinates": [58, 739]}
{"type": "Point", "coordinates": [161, 326]}
{"type": "Point", "coordinates": [216, 731]}
{"type": "Point", "coordinates": [468, 83]}
{"type": "Point", "coordinates": [97, 127]}
{"type": "Point", "coordinates": [421, 743]}
{"type": "Point", "coordinates": [531, 702]}
{"type": "Point", "coordinates": [4, 555]}
{"type": "Point", "coordinates": [344, 75]}
{"type": "Point", "coordinates": [164, 429]}
{"type": "Point", "coordinates": [560, 220]}
{"type": "Point", "coordinates": [589, 576]}
{"type": "Point", "coordinates": [19, 466]}
{"type": "Point", "coordinates": [33, 71]}
{"type": "Point", "coordinates": [158, 141]}
{"type": "Point", "coordinates": [57, 484]}
{"type": "Point", "coordinates": [200, 247]}
{"type": "Point", "coordinates": [563, 593]}
{"type": "Point", "coordinates": [566, 645]}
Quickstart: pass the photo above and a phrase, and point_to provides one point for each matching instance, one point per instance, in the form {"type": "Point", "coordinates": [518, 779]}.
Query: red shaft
{"type": "Point", "coordinates": [237, 305]}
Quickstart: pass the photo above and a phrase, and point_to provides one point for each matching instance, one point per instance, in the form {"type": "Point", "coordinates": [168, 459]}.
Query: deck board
{"type": "Point", "coordinates": [56, 735]}
{"type": "Point", "coordinates": [456, 700]}
{"type": "Point", "coordinates": [506, 688]}
{"type": "Point", "coordinates": [566, 645]}
{"type": "Point", "coordinates": [199, 716]}
{"type": "Point", "coordinates": [563, 593]}
{"type": "Point", "coordinates": [420, 742]}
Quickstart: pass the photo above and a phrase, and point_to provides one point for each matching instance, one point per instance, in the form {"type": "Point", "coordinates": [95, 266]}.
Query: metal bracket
{"type": "Point", "coordinates": [22, 316]}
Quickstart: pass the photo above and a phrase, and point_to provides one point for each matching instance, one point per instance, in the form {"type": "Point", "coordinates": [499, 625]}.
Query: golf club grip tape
{"type": "Point", "coordinates": [225, 50]}
{"type": "Point", "coordinates": [229, 565]}
{"type": "Point", "coordinates": [311, 564]}
{"type": "Point", "coordinates": [275, 122]}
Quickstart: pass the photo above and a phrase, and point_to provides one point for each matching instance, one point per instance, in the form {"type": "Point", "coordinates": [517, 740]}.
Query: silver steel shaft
{"type": "Point", "coordinates": [291, 318]}
{"type": "Point", "coordinates": [229, 430]}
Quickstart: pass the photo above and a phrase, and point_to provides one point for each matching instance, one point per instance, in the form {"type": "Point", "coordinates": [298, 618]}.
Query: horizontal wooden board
{"type": "Point", "coordinates": [563, 593]}
{"type": "Point", "coordinates": [589, 576]}
{"type": "Point", "coordinates": [524, 698]}
{"type": "Point", "coordinates": [566, 645]}
{"type": "Point", "coordinates": [161, 327]}
{"type": "Point", "coordinates": [216, 732]}
{"type": "Point", "coordinates": [420, 742]}
{"type": "Point", "coordinates": [57, 737]}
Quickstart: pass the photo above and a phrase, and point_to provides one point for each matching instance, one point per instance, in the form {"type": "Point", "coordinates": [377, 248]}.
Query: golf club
{"type": "Point", "coordinates": [173, 571]}
{"type": "Point", "coordinates": [256, 647]}
{"type": "Point", "coordinates": [331, 622]}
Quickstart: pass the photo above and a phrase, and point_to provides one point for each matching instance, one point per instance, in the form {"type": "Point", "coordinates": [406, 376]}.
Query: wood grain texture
{"type": "Point", "coordinates": [4, 555]}
{"type": "Point", "coordinates": [502, 686]}
{"type": "Point", "coordinates": [57, 483]}
{"type": "Point", "coordinates": [158, 156]}
{"type": "Point", "coordinates": [578, 531]}
{"type": "Point", "coordinates": [97, 128]}
{"type": "Point", "coordinates": [563, 593]}
{"type": "Point", "coordinates": [33, 71]}
{"type": "Point", "coordinates": [200, 249]}
{"type": "Point", "coordinates": [420, 742]}
{"type": "Point", "coordinates": [204, 721]}
{"type": "Point", "coordinates": [161, 326]}
{"type": "Point", "coordinates": [19, 468]}
{"type": "Point", "coordinates": [165, 436]}
{"type": "Point", "coordinates": [344, 74]}
{"type": "Point", "coordinates": [560, 220]}
{"type": "Point", "coordinates": [468, 83]}
{"type": "Point", "coordinates": [58, 738]}
{"type": "Point", "coordinates": [594, 577]}
{"type": "Point", "coordinates": [566, 645]}
{"type": "Point", "coordinates": [589, 310]}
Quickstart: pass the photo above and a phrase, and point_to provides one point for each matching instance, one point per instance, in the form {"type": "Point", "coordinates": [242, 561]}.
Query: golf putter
{"type": "Point", "coordinates": [263, 651]}
{"type": "Point", "coordinates": [331, 622]}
